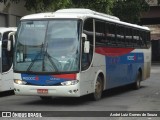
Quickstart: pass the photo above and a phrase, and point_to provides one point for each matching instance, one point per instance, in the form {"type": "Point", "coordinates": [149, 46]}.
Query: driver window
{"type": "Point", "coordinates": [6, 55]}
{"type": "Point", "coordinates": [87, 57]}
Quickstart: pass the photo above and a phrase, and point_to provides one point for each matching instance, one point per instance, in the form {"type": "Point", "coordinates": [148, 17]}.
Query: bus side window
{"type": "Point", "coordinates": [112, 34]}
{"type": "Point", "coordinates": [148, 39]}
{"type": "Point", "coordinates": [120, 36]}
{"type": "Point", "coordinates": [108, 39]}
{"type": "Point", "coordinates": [136, 38]}
{"type": "Point", "coordinates": [7, 57]}
{"type": "Point", "coordinates": [87, 57]}
{"type": "Point", "coordinates": [100, 36]}
{"type": "Point", "coordinates": [142, 41]}
{"type": "Point", "coordinates": [128, 37]}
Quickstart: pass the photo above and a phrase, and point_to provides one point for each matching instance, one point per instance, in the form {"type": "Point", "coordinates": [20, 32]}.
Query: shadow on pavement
{"type": "Point", "coordinates": [6, 93]}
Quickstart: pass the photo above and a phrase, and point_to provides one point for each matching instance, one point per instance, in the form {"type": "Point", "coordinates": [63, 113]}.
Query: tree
{"type": "Point", "coordinates": [126, 10]}
{"type": "Point", "coordinates": [42, 5]}
{"type": "Point", "coordinates": [130, 10]}
{"type": "Point", "coordinates": [46, 5]}
{"type": "Point", "coordinates": [97, 5]}
{"type": "Point", "coordinates": [52, 5]}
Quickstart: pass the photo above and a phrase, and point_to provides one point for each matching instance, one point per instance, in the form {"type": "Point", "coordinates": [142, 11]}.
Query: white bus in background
{"type": "Point", "coordinates": [6, 59]}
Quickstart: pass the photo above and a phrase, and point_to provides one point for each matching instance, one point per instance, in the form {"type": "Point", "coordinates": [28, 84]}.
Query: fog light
{"type": "Point", "coordinates": [20, 82]}
{"type": "Point", "coordinates": [75, 90]}
{"type": "Point", "coordinates": [70, 91]}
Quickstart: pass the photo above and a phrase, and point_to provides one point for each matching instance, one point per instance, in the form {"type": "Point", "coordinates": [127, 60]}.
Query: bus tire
{"type": "Point", "coordinates": [137, 83]}
{"type": "Point", "coordinates": [98, 89]}
{"type": "Point", "coordinates": [46, 98]}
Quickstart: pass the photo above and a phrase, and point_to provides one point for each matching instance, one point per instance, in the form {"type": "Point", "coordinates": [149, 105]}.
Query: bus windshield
{"type": "Point", "coordinates": [48, 46]}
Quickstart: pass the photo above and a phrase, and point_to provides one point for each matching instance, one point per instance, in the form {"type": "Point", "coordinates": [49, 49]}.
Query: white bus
{"type": "Point", "coordinates": [6, 60]}
{"type": "Point", "coordinates": [75, 52]}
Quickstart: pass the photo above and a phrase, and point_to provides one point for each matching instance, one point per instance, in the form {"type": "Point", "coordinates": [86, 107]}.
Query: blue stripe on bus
{"type": "Point", "coordinates": [44, 80]}
{"type": "Point", "coordinates": [122, 70]}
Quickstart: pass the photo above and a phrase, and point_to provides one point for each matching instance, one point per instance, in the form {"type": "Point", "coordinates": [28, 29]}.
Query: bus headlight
{"type": "Point", "coordinates": [20, 82]}
{"type": "Point", "coordinates": [73, 82]}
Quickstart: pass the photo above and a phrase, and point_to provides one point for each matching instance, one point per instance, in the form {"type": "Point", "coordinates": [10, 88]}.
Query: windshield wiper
{"type": "Point", "coordinates": [35, 59]}
{"type": "Point", "coordinates": [45, 54]}
{"type": "Point", "coordinates": [50, 60]}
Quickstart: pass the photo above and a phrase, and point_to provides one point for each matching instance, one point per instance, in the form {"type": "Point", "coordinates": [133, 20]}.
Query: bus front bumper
{"type": "Point", "coordinates": [57, 91]}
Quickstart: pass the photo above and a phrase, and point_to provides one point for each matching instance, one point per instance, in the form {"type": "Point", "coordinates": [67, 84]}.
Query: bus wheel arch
{"type": "Point", "coordinates": [101, 75]}
{"type": "Point", "coordinates": [98, 87]}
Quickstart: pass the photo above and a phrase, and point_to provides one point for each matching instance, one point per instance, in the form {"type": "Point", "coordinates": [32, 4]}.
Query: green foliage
{"type": "Point", "coordinates": [130, 10]}
{"type": "Point", "coordinates": [42, 5]}
{"type": "Point", "coordinates": [97, 5]}
{"type": "Point", "coordinates": [126, 10]}
{"type": "Point", "coordinates": [46, 5]}
{"type": "Point", "coordinates": [52, 5]}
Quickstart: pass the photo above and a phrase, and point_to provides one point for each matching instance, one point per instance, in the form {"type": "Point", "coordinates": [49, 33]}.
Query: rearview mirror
{"type": "Point", "coordinates": [9, 45]}
{"type": "Point", "coordinates": [86, 46]}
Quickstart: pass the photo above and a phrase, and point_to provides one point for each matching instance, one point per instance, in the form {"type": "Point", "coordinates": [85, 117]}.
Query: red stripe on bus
{"type": "Point", "coordinates": [113, 51]}
{"type": "Point", "coordinates": [66, 76]}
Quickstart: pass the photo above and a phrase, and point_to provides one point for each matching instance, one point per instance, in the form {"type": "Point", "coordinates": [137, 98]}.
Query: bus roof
{"type": "Point", "coordinates": [80, 14]}
{"type": "Point", "coordinates": [68, 13]}
{"type": "Point", "coordinates": [5, 29]}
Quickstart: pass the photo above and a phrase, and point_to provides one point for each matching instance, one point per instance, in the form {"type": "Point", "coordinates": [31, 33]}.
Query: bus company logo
{"type": "Point", "coordinates": [30, 78]}
{"type": "Point", "coordinates": [131, 58]}
{"type": "Point", "coordinates": [36, 78]}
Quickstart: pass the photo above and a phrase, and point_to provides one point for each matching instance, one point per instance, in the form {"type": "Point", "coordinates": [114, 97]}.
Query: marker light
{"type": "Point", "coordinates": [20, 82]}
{"type": "Point", "coordinates": [73, 82]}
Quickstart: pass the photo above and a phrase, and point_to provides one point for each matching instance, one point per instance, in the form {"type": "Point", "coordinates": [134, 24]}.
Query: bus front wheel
{"type": "Point", "coordinates": [98, 89]}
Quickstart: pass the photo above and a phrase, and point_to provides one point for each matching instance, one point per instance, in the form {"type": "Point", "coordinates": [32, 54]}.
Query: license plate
{"type": "Point", "coordinates": [42, 91]}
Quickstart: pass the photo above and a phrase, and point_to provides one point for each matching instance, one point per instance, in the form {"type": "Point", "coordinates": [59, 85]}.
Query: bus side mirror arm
{"type": "Point", "coordinates": [84, 37]}
{"type": "Point", "coordinates": [9, 43]}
